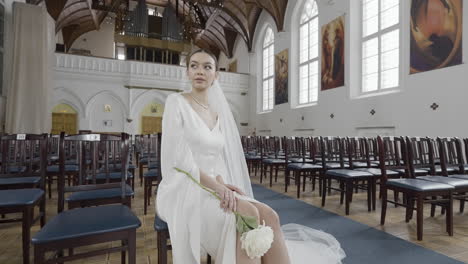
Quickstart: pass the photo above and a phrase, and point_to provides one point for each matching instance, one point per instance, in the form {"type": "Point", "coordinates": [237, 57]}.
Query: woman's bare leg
{"type": "Point", "coordinates": [245, 208]}
{"type": "Point", "coordinates": [278, 253]}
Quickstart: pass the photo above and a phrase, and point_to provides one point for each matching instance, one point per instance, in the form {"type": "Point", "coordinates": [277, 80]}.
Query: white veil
{"type": "Point", "coordinates": [303, 243]}
{"type": "Point", "coordinates": [234, 158]}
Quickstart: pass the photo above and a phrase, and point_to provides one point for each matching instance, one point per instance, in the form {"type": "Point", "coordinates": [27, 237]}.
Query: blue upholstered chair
{"type": "Point", "coordinates": [21, 190]}
{"type": "Point", "coordinates": [90, 225]}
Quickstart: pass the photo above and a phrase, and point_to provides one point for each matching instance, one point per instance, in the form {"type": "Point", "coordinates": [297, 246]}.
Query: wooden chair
{"type": "Point", "coordinates": [347, 178]}
{"type": "Point", "coordinates": [106, 165]}
{"type": "Point", "coordinates": [451, 154]}
{"type": "Point", "coordinates": [275, 160]}
{"type": "Point", "coordinates": [252, 154]}
{"type": "Point", "coordinates": [414, 190]}
{"type": "Point", "coordinates": [22, 191]}
{"type": "Point", "coordinates": [304, 167]}
{"type": "Point", "coordinates": [91, 225]}
{"type": "Point", "coordinates": [152, 177]}
{"type": "Point", "coordinates": [53, 170]}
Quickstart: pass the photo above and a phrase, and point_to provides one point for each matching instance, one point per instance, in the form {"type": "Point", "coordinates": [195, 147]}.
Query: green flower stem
{"type": "Point", "coordinates": [208, 190]}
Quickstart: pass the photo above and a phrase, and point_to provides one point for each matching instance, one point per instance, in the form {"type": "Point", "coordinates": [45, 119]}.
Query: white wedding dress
{"type": "Point", "coordinates": [196, 221]}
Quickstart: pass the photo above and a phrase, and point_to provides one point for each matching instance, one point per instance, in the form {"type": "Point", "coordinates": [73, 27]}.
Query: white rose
{"type": "Point", "coordinates": [257, 242]}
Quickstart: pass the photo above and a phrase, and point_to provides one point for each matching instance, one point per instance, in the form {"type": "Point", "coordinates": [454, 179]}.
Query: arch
{"type": "Point", "coordinates": [143, 99]}
{"type": "Point", "coordinates": [112, 94]}
{"type": "Point", "coordinates": [267, 22]}
{"type": "Point", "coordinates": [70, 98]}
{"type": "Point", "coordinates": [65, 108]}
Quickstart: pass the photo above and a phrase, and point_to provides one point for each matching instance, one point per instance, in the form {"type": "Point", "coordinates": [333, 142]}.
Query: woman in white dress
{"type": "Point", "coordinates": [200, 136]}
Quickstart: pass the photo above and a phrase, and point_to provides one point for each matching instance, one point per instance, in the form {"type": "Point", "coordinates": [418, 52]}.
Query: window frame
{"type": "Point", "coordinates": [266, 47]}
{"type": "Point", "coordinates": [310, 61]}
{"type": "Point", "coordinates": [378, 34]}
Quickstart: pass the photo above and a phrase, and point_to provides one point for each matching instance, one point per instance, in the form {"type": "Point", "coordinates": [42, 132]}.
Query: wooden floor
{"type": "Point", "coordinates": [434, 236]}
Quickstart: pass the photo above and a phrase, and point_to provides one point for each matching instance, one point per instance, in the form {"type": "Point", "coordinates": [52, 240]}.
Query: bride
{"type": "Point", "coordinates": [200, 136]}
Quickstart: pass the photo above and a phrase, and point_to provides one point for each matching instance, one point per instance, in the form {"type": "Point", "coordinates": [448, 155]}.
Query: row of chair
{"type": "Point", "coordinates": [417, 167]}
{"type": "Point", "coordinates": [99, 199]}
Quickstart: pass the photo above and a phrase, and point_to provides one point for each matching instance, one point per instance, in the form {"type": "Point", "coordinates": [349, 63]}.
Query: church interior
{"type": "Point", "coordinates": [338, 105]}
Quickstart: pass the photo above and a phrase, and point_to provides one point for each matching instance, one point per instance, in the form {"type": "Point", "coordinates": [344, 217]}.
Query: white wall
{"type": "Point", "coordinates": [88, 83]}
{"type": "Point", "coordinates": [405, 112]}
{"type": "Point", "coordinates": [99, 42]}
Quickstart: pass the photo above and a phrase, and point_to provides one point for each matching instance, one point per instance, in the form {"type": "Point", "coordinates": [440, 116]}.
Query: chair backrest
{"type": "Point", "coordinates": [451, 154]}
{"type": "Point", "coordinates": [420, 154]}
{"type": "Point", "coordinates": [333, 150]}
{"type": "Point", "coordinates": [98, 149]}
{"type": "Point", "coordinates": [155, 151]}
{"type": "Point", "coordinates": [24, 155]}
{"type": "Point", "coordinates": [392, 155]}
{"type": "Point", "coordinates": [357, 151]}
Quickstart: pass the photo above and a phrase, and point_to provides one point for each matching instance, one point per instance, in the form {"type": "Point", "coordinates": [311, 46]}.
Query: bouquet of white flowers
{"type": "Point", "coordinates": [256, 239]}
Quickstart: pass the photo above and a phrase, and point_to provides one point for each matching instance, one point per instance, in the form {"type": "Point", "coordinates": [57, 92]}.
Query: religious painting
{"type": "Point", "coordinates": [281, 77]}
{"type": "Point", "coordinates": [154, 109]}
{"type": "Point", "coordinates": [333, 47]}
{"type": "Point", "coordinates": [436, 34]}
{"type": "Point", "coordinates": [107, 108]}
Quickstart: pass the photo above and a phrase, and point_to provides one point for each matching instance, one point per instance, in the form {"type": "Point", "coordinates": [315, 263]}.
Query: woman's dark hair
{"type": "Point", "coordinates": [204, 51]}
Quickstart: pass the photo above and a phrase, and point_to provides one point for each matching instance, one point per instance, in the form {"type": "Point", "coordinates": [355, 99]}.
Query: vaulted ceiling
{"type": "Point", "coordinates": [220, 26]}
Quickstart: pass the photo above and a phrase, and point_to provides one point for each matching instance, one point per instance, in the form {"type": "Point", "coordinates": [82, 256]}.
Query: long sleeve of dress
{"type": "Point", "coordinates": [178, 197]}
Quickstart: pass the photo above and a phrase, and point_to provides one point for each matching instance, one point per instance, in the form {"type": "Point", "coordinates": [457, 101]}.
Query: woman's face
{"type": "Point", "coordinates": [202, 71]}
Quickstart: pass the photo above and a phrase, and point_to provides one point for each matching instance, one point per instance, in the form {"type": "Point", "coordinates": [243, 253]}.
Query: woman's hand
{"type": "Point", "coordinates": [235, 189]}
{"type": "Point", "coordinates": [228, 200]}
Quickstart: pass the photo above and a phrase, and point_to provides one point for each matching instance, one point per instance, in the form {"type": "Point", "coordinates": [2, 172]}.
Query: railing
{"type": "Point", "coordinates": [140, 74]}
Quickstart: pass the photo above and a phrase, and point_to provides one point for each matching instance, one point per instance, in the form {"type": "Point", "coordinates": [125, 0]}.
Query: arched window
{"type": "Point", "coordinates": [380, 44]}
{"type": "Point", "coordinates": [308, 53]}
{"type": "Point", "coordinates": [268, 68]}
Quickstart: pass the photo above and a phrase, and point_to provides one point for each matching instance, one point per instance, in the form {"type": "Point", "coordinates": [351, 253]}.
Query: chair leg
{"type": "Point", "coordinates": [342, 192]}
{"type": "Point", "coordinates": [324, 190]}
{"type": "Point", "coordinates": [409, 208]}
{"type": "Point", "coordinates": [419, 217]}
{"type": "Point", "coordinates": [304, 178]}
{"type": "Point", "coordinates": [26, 234]}
{"type": "Point", "coordinates": [140, 169]}
{"type": "Point", "coordinates": [369, 195]}
{"type": "Point", "coordinates": [374, 193]}
{"type": "Point", "coordinates": [383, 192]}
{"type": "Point", "coordinates": [286, 179]}
{"type": "Point", "coordinates": [313, 181]}
{"type": "Point", "coordinates": [449, 216]}
{"type": "Point", "coordinates": [462, 205]}
{"type": "Point", "coordinates": [162, 247]}
{"type": "Point", "coordinates": [39, 255]}
{"type": "Point", "coordinates": [433, 207]}
{"type": "Point", "coordinates": [208, 260]}
{"type": "Point", "coordinates": [271, 175]}
{"type": "Point", "coordinates": [132, 246]}
{"type": "Point", "coordinates": [42, 210]}
{"type": "Point", "coordinates": [145, 195]}
{"type": "Point", "coordinates": [276, 173]}
{"type": "Point", "coordinates": [348, 195]}
{"type": "Point", "coordinates": [49, 185]}
{"type": "Point", "coordinates": [262, 170]}
{"type": "Point", "coordinates": [395, 197]}
{"type": "Point", "coordinates": [298, 183]}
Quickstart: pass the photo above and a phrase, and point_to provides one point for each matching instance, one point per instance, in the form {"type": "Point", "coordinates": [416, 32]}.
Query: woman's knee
{"type": "Point", "coordinates": [269, 215]}
{"type": "Point", "coordinates": [246, 208]}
